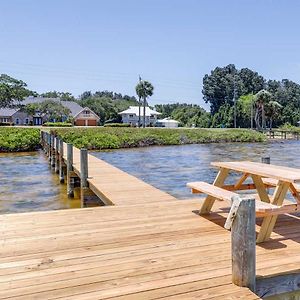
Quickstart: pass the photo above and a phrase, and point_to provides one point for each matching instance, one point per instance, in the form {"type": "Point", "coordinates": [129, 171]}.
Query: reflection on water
{"type": "Point", "coordinates": [28, 184]}
{"type": "Point", "coordinates": [170, 168]}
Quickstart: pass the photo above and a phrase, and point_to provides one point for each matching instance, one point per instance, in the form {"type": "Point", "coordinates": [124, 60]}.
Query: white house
{"type": "Point", "coordinates": [167, 122]}
{"type": "Point", "coordinates": [131, 116]}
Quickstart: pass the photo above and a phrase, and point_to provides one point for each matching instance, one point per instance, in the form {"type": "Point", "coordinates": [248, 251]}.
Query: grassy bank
{"type": "Point", "coordinates": [19, 139]}
{"type": "Point", "coordinates": [114, 138]}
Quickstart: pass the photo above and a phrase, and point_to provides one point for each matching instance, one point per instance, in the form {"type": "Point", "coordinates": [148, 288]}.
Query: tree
{"type": "Point", "coordinates": [52, 109]}
{"type": "Point", "coordinates": [144, 89]}
{"type": "Point", "coordinates": [65, 96]}
{"type": "Point", "coordinates": [186, 114]}
{"type": "Point", "coordinates": [12, 91]}
{"type": "Point", "coordinates": [245, 111]}
{"type": "Point", "coordinates": [273, 109]}
{"type": "Point", "coordinates": [224, 117]}
{"type": "Point", "coordinates": [262, 98]}
{"type": "Point", "coordinates": [219, 86]}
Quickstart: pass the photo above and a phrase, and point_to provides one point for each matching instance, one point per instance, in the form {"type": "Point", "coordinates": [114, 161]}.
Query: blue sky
{"type": "Point", "coordinates": [78, 45]}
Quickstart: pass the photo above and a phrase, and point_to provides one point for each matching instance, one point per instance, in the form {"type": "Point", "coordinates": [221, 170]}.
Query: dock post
{"type": "Point", "coordinates": [243, 244]}
{"type": "Point", "coordinates": [83, 175]}
{"type": "Point", "coordinates": [52, 151]}
{"type": "Point", "coordinates": [50, 148]}
{"type": "Point", "coordinates": [57, 148]}
{"type": "Point", "coordinates": [70, 179]}
{"type": "Point", "coordinates": [42, 140]}
{"type": "Point", "coordinates": [48, 145]}
{"type": "Point", "coordinates": [61, 161]}
{"type": "Point", "coordinates": [266, 159]}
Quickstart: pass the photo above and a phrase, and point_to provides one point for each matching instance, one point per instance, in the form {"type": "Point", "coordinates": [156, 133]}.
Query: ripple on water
{"type": "Point", "coordinates": [27, 183]}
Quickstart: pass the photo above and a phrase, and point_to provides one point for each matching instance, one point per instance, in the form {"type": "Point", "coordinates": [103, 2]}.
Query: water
{"type": "Point", "coordinates": [170, 168]}
{"type": "Point", "coordinates": [28, 184]}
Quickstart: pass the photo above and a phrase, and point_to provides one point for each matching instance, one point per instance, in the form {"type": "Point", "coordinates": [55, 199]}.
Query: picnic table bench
{"type": "Point", "coordinates": [283, 179]}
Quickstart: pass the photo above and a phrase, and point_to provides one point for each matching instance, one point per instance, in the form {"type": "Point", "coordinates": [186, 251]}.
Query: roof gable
{"type": "Point", "coordinates": [134, 110]}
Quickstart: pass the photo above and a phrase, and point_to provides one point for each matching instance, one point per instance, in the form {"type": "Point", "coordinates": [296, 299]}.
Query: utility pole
{"type": "Point", "coordinates": [144, 115]}
{"type": "Point", "coordinates": [139, 123]}
{"type": "Point", "coordinates": [234, 100]}
{"type": "Point", "coordinates": [252, 111]}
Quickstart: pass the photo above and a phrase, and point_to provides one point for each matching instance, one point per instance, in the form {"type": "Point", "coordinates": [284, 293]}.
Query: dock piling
{"type": "Point", "coordinates": [52, 161]}
{"type": "Point", "coordinates": [57, 149]}
{"type": "Point", "coordinates": [70, 178]}
{"type": "Point", "coordinates": [84, 189]}
{"type": "Point", "coordinates": [243, 243]}
{"type": "Point", "coordinates": [61, 161]}
{"type": "Point", "coordinates": [266, 159]}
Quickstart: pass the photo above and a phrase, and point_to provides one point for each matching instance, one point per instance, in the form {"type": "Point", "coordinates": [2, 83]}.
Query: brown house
{"type": "Point", "coordinates": [82, 116]}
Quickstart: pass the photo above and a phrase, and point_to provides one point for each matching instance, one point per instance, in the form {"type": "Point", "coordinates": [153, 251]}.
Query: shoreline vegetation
{"type": "Point", "coordinates": [116, 138]}
{"type": "Point", "coordinates": [14, 139]}
{"type": "Point", "coordinates": [28, 139]}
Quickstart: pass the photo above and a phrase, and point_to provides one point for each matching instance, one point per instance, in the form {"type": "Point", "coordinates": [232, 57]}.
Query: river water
{"type": "Point", "coordinates": [170, 168]}
{"type": "Point", "coordinates": [28, 184]}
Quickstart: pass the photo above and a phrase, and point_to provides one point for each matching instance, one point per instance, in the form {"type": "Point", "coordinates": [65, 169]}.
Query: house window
{"type": "Point", "coordinates": [131, 116]}
{"type": "Point", "coordinates": [86, 112]}
{"type": "Point", "coordinates": [17, 121]}
{"type": "Point", "coordinates": [26, 121]}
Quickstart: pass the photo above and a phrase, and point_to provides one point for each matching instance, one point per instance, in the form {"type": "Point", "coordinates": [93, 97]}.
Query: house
{"type": "Point", "coordinates": [131, 116]}
{"type": "Point", "coordinates": [82, 116]}
{"type": "Point", "coordinates": [167, 122]}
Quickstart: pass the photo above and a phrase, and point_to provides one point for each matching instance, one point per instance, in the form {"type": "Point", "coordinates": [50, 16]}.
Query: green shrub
{"type": "Point", "coordinates": [57, 124]}
{"type": "Point", "coordinates": [116, 125]}
{"type": "Point", "coordinates": [19, 139]}
{"type": "Point", "coordinates": [114, 138]}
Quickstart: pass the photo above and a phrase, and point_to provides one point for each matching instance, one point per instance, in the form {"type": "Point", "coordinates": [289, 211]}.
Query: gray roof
{"type": "Point", "coordinates": [7, 112]}
{"type": "Point", "coordinates": [74, 107]}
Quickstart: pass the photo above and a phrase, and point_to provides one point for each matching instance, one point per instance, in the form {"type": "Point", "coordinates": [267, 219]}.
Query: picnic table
{"type": "Point", "coordinates": [263, 176]}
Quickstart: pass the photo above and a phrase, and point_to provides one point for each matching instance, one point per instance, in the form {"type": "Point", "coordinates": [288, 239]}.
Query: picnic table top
{"type": "Point", "coordinates": [264, 170]}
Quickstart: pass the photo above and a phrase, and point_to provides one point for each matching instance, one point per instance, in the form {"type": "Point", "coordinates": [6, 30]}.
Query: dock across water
{"type": "Point", "coordinates": [144, 244]}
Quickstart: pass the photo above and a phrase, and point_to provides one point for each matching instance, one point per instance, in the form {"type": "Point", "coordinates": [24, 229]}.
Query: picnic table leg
{"type": "Point", "coordinates": [295, 193]}
{"type": "Point", "coordinates": [209, 200]}
{"type": "Point", "coordinates": [261, 189]}
{"type": "Point", "coordinates": [241, 181]}
{"type": "Point", "coordinates": [268, 222]}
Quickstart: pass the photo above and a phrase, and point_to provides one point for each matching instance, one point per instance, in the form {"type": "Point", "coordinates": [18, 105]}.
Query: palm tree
{"type": "Point", "coordinates": [262, 98]}
{"type": "Point", "coordinates": [144, 89]}
{"type": "Point", "coordinates": [273, 110]}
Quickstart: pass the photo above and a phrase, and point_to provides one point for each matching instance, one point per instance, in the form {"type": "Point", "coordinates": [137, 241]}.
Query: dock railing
{"type": "Point", "coordinates": [63, 165]}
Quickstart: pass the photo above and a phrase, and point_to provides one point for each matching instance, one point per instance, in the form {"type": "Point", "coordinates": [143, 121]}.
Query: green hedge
{"type": "Point", "coordinates": [117, 125]}
{"type": "Point", "coordinates": [19, 139]}
{"type": "Point", "coordinates": [114, 138]}
{"type": "Point", "coordinates": [57, 124]}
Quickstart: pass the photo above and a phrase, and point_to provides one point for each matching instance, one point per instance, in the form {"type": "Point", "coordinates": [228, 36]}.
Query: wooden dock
{"type": "Point", "coordinates": [145, 245]}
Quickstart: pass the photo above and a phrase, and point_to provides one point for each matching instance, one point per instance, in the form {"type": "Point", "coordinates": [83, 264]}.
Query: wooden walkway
{"type": "Point", "coordinates": [147, 245]}
{"type": "Point", "coordinates": [114, 186]}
